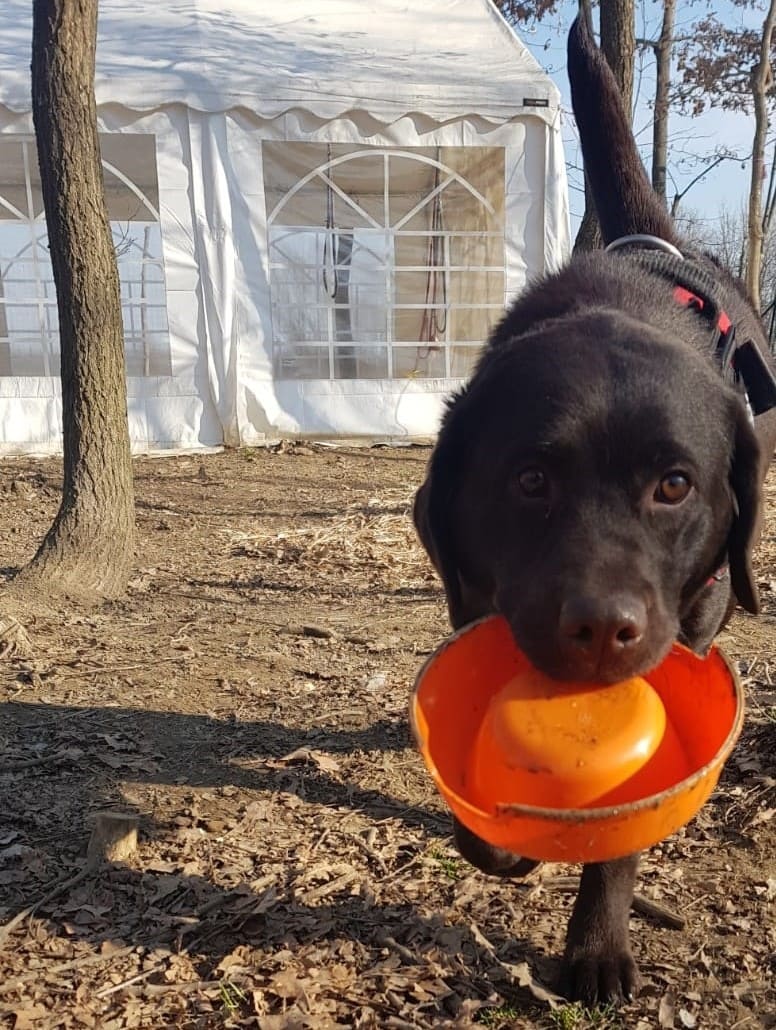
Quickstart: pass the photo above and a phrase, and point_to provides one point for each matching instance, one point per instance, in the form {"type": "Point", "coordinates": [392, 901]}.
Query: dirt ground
{"type": "Point", "coordinates": [248, 700]}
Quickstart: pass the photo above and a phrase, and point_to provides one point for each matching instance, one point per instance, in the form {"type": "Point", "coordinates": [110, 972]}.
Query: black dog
{"type": "Point", "coordinates": [598, 482]}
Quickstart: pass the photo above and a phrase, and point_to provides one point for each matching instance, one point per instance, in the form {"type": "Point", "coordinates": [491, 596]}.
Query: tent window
{"type": "Point", "coordinates": [29, 331]}
{"type": "Point", "coordinates": [385, 263]}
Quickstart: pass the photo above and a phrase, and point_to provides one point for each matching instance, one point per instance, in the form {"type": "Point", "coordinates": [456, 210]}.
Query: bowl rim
{"type": "Point", "coordinates": [580, 815]}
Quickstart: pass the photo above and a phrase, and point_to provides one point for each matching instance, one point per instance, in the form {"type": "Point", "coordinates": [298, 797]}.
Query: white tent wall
{"type": "Point", "coordinates": [216, 382]}
{"type": "Point", "coordinates": [185, 409]}
{"type": "Point", "coordinates": [392, 408]}
{"type": "Point", "coordinates": [177, 410]}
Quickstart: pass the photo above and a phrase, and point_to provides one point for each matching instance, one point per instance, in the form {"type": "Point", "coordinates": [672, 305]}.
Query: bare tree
{"type": "Point", "coordinates": [730, 66]}
{"type": "Point", "coordinates": [89, 548]}
{"type": "Point", "coordinates": [526, 10]}
{"type": "Point", "coordinates": [713, 58]}
{"type": "Point", "coordinates": [618, 43]}
{"type": "Point", "coordinates": [663, 49]}
{"type": "Point", "coordinates": [761, 84]}
{"type": "Point", "coordinates": [709, 164]}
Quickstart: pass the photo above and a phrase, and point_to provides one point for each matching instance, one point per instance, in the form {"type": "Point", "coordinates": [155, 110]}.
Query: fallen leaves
{"type": "Point", "coordinates": [295, 868]}
{"type": "Point", "coordinates": [14, 641]}
{"type": "Point", "coordinates": [305, 756]}
{"type": "Point", "coordinates": [29, 1017]}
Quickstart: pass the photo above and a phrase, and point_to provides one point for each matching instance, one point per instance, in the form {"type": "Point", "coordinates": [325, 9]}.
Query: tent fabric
{"type": "Point", "coordinates": [439, 58]}
{"type": "Point", "coordinates": [219, 121]}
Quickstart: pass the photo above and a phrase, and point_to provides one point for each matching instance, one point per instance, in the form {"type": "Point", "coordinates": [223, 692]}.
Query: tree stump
{"type": "Point", "coordinates": [113, 838]}
{"type": "Point", "coordinates": [14, 642]}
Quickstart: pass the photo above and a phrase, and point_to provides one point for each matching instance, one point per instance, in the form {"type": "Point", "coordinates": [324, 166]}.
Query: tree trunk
{"type": "Point", "coordinates": [589, 232]}
{"type": "Point", "coordinates": [762, 77]}
{"type": "Point", "coordinates": [618, 43]}
{"type": "Point", "coordinates": [89, 548]}
{"type": "Point", "coordinates": [663, 50]}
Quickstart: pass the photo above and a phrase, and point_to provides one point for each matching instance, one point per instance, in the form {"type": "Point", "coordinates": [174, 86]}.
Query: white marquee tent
{"type": "Point", "coordinates": [319, 208]}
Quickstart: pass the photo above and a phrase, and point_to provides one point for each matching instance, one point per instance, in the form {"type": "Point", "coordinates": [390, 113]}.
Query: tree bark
{"type": "Point", "coordinates": [618, 43]}
{"type": "Point", "coordinates": [663, 49]}
{"type": "Point", "coordinates": [589, 232]}
{"type": "Point", "coordinates": [762, 78]}
{"type": "Point", "coordinates": [89, 548]}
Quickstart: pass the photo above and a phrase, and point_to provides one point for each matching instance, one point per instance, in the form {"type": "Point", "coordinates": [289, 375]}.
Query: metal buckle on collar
{"type": "Point", "coordinates": [718, 576]}
{"type": "Point", "coordinates": [757, 376]}
{"type": "Point", "coordinates": [750, 370]}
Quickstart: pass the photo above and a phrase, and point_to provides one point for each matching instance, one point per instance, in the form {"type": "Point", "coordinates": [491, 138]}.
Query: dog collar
{"type": "Point", "coordinates": [718, 576]}
{"type": "Point", "coordinates": [645, 242]}
{"type": "Point", "coordinates": [740, 362]}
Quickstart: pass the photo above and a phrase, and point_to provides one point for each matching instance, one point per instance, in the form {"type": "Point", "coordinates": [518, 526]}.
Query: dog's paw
{"type": "Point", "coordinates": [599, 976]}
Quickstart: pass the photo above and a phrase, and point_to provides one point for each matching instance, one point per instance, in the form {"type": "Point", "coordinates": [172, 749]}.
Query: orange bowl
{"type": "Point", "coordinates": [562, 745]}
{"type": "Point", "coordinates": [454, 690]}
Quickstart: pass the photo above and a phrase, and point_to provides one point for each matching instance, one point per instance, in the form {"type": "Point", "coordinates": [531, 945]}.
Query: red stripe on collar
{"type": "Point", "coordinates": [692, 300]}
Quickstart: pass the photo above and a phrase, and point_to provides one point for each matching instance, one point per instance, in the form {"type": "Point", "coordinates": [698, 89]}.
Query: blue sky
{"type": "Point", "coordinates": [725, 186]}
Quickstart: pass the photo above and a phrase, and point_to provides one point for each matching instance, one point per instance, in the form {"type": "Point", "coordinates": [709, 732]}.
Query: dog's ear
{"type": "Point", "coordinates": [745, 480]}
{"type": "Point", "coordinates": [433, 515]}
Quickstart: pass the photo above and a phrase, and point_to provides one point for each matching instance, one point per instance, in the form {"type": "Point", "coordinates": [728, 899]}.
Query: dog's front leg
{"type": "Point", "coordinates": [489, 859]}
{"type": "Point", "coordinates": [597, 964]}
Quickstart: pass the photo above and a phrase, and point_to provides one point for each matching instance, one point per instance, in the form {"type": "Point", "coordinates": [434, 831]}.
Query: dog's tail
{"type": "Point", "coordinates": [624, 198]}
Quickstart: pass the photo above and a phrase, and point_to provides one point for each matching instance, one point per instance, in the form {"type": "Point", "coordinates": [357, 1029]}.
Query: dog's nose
{"type": "Point", "coordinates": [600, 631]}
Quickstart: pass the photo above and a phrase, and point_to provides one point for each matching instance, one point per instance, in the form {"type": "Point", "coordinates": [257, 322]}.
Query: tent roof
{"type": "Point", "coordinates": [442, 58]}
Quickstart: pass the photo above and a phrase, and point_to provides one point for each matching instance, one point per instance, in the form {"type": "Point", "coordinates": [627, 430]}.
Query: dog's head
{"type": "Point", "coordinates": [587, 484]}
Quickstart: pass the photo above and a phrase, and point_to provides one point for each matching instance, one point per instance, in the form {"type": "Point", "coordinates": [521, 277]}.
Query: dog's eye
{"type": "Point", "coordinates": [533, 483]}
{"type": "Point", "coordinates": [672, 488]}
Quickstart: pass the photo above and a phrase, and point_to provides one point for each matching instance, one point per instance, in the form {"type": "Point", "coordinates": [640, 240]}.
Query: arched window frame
{"type": "Point", "coordinates": [437, 312]}
{"type": "Point", "coordinates": [34, 347]}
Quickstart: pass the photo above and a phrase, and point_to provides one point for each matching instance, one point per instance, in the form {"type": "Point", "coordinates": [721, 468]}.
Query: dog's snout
{"type": "Point", "coordinates": [599, 631]}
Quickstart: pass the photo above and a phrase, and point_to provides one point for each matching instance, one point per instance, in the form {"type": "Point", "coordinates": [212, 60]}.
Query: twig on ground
{"type": "Point", "coordinates": [103, 670]}
{"type": "Point", "coordinates": [644, 906]}
{"type": "Point", "coordinates": [370, 852]}
{"type": "Point", "coordinates": [186, 985]}
{"type": "Point", "coordinates": [321, 838]}
{"type": "Point", "coordinates": [102, 844]}
{"type": "Point", "coordinates": [56, 890]}
{"type": "Point", "coordinates": [32, 763]}
{"type": "Point", "coordinates": [81, 962]}
{"type": "Point", "coordinates": [520, 975]}
{"type": "Point", "coordinates": [105, 992]}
